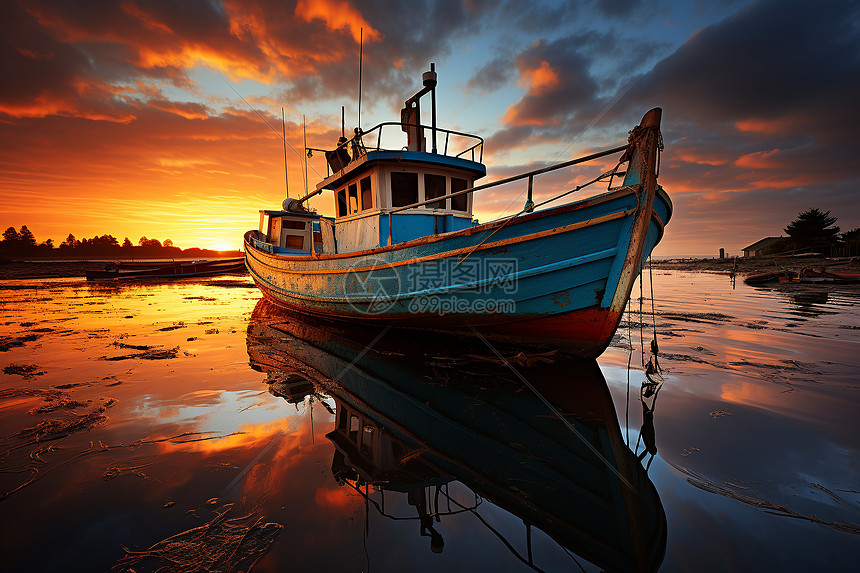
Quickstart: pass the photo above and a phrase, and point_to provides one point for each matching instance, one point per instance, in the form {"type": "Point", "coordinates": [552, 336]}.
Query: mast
{"type": "Point", "coordinates": [284, 137]}
{"type": "Point", "coordinates": [360, 58]}
{"type": "Point", "coordinates": [305, 136]}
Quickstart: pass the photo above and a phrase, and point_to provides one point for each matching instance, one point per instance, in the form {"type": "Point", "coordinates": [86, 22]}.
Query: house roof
{"type": "Point", "coordinates": [762, 243]}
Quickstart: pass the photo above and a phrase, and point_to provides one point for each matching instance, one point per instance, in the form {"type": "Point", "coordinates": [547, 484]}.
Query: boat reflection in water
{"type": "Point", "coordinates": [417, 418]}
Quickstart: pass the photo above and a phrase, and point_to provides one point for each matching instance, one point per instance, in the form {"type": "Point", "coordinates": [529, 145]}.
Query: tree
{"type": "Point", "coordinates": [813, 228]}
{"type": "Point", "coordinates": [167, 243]}
{"type": "Point", "coordinates": [11, 236]}
{"type": "Point", "coordinates": [126, 244]}
{"type": "Point", "coordinates": [26, 237]}
{"type": "Point", "coordinates": [851, 236]}
{"type": "Point", "coordinates": [70, 242]}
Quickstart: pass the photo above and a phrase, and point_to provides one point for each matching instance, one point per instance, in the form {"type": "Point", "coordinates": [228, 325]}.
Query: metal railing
{"type": "Point", "coordinates": [358, 147]}
{"type": "Point", "coordinates": [530, 175]}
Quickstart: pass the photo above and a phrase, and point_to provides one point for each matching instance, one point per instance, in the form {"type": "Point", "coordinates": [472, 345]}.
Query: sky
{"type": "Point", "coordinates": [163, 119]}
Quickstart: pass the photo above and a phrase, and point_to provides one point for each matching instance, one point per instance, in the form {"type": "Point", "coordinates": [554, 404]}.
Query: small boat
{"type": "Point", "coordinates": [764, 278]}
{"type": "Point", "coordinates": [822, 275]}
{"type": "Point", "coordinates": [166, 270]}
{"type": "Point", "coordinates": [403, 248]}
{"type": "Point", "coordinates": [430, 413]}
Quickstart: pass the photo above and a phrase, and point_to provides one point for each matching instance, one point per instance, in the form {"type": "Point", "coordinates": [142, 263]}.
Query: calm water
{"type": "Point", "coordinates": [191, 420]}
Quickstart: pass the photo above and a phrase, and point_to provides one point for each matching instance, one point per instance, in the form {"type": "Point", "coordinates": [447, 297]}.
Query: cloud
{"type": "Point", "coordinates": [337, 15]}
{"type": "Point", "coordinates": [759, 114]}
{"type": "Point", "coordinates": [558, 81]}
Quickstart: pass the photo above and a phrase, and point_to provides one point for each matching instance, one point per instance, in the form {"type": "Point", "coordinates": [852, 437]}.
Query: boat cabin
{"type": "Point", "coordinates": [384, 196]}
{"type": "Point", "coordinates": [370, 194]}
{"type": "Point", "coordinates": [290, 233]}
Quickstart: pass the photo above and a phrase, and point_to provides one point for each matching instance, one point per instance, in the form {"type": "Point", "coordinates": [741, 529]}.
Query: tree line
{"type": "Point", "coordinates": [813, 230]}
{"type": "Point", "coordinates": [22, 244]}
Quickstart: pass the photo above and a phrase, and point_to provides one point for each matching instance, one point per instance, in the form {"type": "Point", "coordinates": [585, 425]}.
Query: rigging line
{"type": "Point", "coordinates": [275, 131]}
{"type": "Point", "coordinates": [514, 216]}
{"type": "Point", "coordinates": [498, 534]}
{"type": "Point", "coordinates": [591, 124]}
{"type": "Point", "coordinates": [553, 409]}
{"type": "Point", "coordinates": [597, 118]}
{"type": "Point", "coordinates": [641, 324]}
{"type": "Point", "coordinates": [629, 361]}
{"type": "Point", "coordinates": [651, 283]}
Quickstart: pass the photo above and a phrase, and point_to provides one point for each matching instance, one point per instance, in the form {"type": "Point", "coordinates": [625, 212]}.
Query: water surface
{"type": "Point", "coordinates": [133, 414]}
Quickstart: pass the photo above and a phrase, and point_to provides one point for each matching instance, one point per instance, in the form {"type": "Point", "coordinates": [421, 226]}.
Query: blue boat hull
{"type": "Point", "coordinates": [554, 276]}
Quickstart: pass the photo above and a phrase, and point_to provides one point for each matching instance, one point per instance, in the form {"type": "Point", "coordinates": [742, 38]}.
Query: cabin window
{"type": "Point", "coordinates": [354, 425]}
{"type": "Point", "coordinates": [367, 439]}
{"type": "Point", "coordinates": [287, 224]}
{"type": "Point", "coordinates": [434, 186]}
{"type": "Point", "coordinates": [404, 189]}
{"type": "Point", "coordinates": [353, 199]}
{"type": "Point", "coordinates": [460, 202]}
{"type": "Point", "coordinates": [295, 242]}
{"type": "Point", "coordinates": [366, 194]}
{"type": "Point", "coordinates": [341, 203]}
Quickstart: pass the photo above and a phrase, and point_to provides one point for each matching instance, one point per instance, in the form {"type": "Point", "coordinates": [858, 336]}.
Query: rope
{"type": "Point", "coordinates": [629, 361]}
{"type": "Point", "coordinates": [532, 207]}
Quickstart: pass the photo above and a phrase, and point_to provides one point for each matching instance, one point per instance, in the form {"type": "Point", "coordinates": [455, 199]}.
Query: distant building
{"type": "Point", "coordinates": [757, 247]}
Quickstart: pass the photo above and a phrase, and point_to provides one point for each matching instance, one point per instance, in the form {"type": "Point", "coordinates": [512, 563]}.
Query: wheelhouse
{"type": "Point", "coordinates": [386, 197]}
{"type": "Point", "coordinates": [289, 233]}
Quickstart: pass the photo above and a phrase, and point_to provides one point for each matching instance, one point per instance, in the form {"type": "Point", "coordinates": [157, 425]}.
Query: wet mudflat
{"type": "Point", "coordinates": [188, 426]}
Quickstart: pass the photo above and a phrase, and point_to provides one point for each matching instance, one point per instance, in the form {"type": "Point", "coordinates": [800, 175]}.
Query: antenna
{"type": "Point", "coordinates": [360, 58]}
{"type": "Point", "coordinates": [342, 121]}
{"type": "Point", "coordinates": [284, 131]}
{"type": "Point", "coordinates": [305, 135]}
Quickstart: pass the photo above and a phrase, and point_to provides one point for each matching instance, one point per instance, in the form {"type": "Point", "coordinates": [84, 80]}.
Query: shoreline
{"type": "Point", "coordinates": [752, 265]}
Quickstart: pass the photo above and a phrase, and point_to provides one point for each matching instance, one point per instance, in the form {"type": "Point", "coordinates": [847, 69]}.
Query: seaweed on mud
{"type": "Point", "coordinates": [115, 471]}
{"type": "Point", "coordinates": [18, 392]}
{"type": "Point", "coordinates": [28, 371]}
{"type": "Point", "coordinates": [151, 354]}
{"type": "Point", "coordinates": [58, 404]}
{"type": "Point", "coordinates": [9, 342]}
{"type": "Point", "coordinates": [132, 346]}
{"type": "Point", "coordinates": [688, 358]}
{"type": "Point", "coordinates": [54, 428]}
{"type": "Point", "coordinates": [772, 508]}
{"type": "Point", "coordinates": [71, 385]}
{"type": "Point", "coordinates": [697, 316]}
{"type": "Point", "coordinates": [223, 544]}
{"type": "Point", "coordinates": [231, 284]}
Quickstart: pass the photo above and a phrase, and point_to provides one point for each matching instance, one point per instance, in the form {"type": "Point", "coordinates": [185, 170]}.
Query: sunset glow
{"type": "Point", "coordinates": [133, 118]}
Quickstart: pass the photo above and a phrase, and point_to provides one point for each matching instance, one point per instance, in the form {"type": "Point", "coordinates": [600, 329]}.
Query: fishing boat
{"type": "Point", "coordinates": [404, 250]}
{"type": "Point", "coordinates": [166, 269]}
{"type": "Point", "coordinates": [451, 419]}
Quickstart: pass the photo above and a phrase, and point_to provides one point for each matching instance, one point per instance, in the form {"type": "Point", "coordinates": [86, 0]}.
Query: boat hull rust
{"type": "Point", "coordinates": [558, 272]}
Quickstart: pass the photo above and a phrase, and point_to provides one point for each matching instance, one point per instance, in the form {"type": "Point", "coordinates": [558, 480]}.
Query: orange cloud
{"type": "Point", "coordinates": [760, 160]}
{"type": "Point", "coordinates": [701, 159]}
{"type": "Point", "coordinates": [541, 80]}
{"type": "Point", "coordinates": [337, 15]}
{"type": "Point", "coordinates": [762, 126]}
